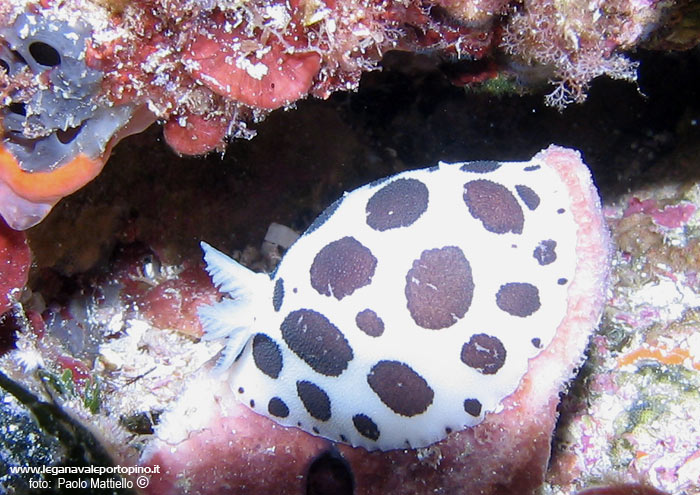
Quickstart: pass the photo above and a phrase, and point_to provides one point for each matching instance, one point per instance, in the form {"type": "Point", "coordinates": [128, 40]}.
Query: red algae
{"type": "Point", "coordinates": [235, 64]}
{"type": "Point", "coordinates": [195, 134]}
{"type": "Point", "coordinates": [173, 303]}
{"type": "Point", "coordinates": [579, 41]}
{"type": "Point", "coordinates": [15, 259]}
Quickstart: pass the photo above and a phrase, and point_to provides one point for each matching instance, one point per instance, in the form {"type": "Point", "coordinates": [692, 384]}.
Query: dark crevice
{"type": "Point", "coordinates": [45, 54]}
{"type": "Point", "coordinates": [330, 474]}
{"type": "Point", "coordinates": [68, 135]}
{"type": "Point", "coordinates": [18, 108]}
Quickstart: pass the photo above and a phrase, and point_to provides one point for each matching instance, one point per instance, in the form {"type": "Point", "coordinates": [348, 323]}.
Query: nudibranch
{"type": "Point", "coordinates": [412, 306]}
{"type": "Point", "coordinates": [56, 137]}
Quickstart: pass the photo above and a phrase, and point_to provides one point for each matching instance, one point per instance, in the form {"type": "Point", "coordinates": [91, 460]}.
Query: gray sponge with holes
{"type": "Point", "coordinates": [61, 117]}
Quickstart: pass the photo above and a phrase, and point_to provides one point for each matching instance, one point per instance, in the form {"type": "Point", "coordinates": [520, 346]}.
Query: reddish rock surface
{"type": "Point", "coordinates": [173, 304]}
{"type": "Point", "coordinates": [15, 258]}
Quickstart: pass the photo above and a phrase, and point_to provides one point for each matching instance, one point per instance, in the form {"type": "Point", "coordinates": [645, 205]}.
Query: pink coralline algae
{"type": "Point", "coordinates": [622, 489]}
{"type": "Point", "coordinates": [76, 76]}
{"type": "Point", "coordinates": [670, 216]}
{"type": "Point", "coordinates": [209, 442]}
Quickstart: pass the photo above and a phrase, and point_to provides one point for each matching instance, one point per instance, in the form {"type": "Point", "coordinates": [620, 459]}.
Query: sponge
{"type": "Point", "coordinates": [63, 116]}
{"type": "Point", "coordinates": [56, 127]}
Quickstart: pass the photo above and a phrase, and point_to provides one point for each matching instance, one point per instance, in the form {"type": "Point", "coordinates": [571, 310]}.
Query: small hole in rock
{"type": "Point", "coordinates": [17, 138]}
{"type": "Point", "coordinates": [19, 57]}
{"type": "Point", "coordinates": [9, 57]}
{"type": "Point", "coordinates": [9, 327]}
{"type": "Point", "coordinates": [141, 423]}
{"type": "Point", "coordinates": [45, 54]}
{"type": "Point", "coordinates": [330, 474]}
{"type": "Point", "coordinates": [17, 108]}
{"type": "Point", "coordinates": [68, 135]}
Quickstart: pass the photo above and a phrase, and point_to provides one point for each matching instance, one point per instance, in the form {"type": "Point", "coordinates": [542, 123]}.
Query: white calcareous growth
{"type": "Point", "coordinates": [411, 307]}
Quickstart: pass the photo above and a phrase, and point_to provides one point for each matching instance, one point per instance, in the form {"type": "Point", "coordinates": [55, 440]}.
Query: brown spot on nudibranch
{"type": "Point", "coordinates": [267, 355]}
{"type": "Point", "coordinates": [342, 267]}
{"type": "Point", "coordinates": [518, 299]}
{"type": "Point", "coordinates": [439, 287]}
{"type": "Point", "coordinates": [277, 407]}
{"type": "Point", "coordinates": [484, 353]}
{"type": "Point", "coordinates": [472, 407]}
{"type": "Point", "coordinates": [529, 197]}
{"type": "Point", "coordinates": [480, 167]}
{"type": "Point", "coordinates": [545, 252]}
{"type": "Point", "coordinates": [366, 426]}
{"type": "Point", "coordinates": [398, 204]}
{"type": "Point", "coordinates": [368, 321]}
{"type": "Point", "coordinates": [278, 294]}
{"type": "Point", "coordinates": [494, 205]}
{"type": "Point", "coordinates": [318, 342]}
{"type": "Point", "coordinates": [315, 400]}
{"type": "Point", "coordinates": [399, 387]}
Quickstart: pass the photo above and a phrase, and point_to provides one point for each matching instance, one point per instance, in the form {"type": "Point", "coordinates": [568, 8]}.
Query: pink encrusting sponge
{"type": "Point", "coordinates": [436, 314]}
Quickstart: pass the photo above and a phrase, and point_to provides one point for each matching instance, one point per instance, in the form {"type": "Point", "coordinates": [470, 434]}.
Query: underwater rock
{"type": "Point", "coordinates": [623, 425]}
{"type": "Point", "coordinates": [76, 77]}
{"type": "Point", "coordinates": [39, 433]}
{"type": "Point", "coordinates": [22, 442]}
{"type": "Point", "coordinates": [671, 257]}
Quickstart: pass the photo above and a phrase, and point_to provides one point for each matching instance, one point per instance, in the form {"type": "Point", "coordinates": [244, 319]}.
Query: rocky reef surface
{"type": "Point", "coordinates": [80, 75]}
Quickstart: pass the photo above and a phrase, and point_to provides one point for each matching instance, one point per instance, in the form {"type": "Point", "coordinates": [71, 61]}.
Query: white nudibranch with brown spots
{"type": "Point", "coordinates": [410, 308]}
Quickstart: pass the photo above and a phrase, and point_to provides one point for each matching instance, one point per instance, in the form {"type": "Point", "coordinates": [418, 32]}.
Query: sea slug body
{"type": "Point", "coordinates": [412, 306]}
